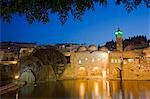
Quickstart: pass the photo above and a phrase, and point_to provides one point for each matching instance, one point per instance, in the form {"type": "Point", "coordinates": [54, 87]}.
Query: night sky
{"type": "Point", "coordinates": [95, 28]}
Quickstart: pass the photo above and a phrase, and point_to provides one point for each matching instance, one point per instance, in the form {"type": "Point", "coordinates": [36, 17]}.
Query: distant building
{"type": "Point", "coordinates": [15, 46]}
{"type": "Point", "coordinates": [68, 47]}
{"type": "Point", "coordinates": [13, 51]}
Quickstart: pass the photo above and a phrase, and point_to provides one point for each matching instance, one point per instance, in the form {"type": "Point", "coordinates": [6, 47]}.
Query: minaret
{"type": "Point", "coordinates": [119, 40]}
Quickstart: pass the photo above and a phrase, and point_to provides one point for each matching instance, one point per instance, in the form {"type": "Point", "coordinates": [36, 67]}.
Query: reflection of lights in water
{"type": "Point", "coordinates": [104, 84]}
{"type": "Point", "coordinates": [16, 95]}
{"type": "Point", "coordinates": [96, 88]}
{"type": "Point", "coordinates": [108, 89]}
{"type": "Point", "coordinates": [104, 73]}
{"type": "Point", "coordinates": [82, 90]}
{"type": "Point", "coordinates": [82, 68]}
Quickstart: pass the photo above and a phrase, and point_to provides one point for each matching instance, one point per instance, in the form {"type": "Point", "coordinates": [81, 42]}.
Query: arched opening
{"type": "Point", "coordinates": [28, 76]}
{"type": "Point", "coordinates": [82, 72]}
{"type": "Point", "coordinates": [96, 72]}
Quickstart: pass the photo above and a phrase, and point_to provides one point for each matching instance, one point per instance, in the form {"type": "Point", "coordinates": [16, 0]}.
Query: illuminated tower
{"type": "Point", "coordinates": [119, 40]}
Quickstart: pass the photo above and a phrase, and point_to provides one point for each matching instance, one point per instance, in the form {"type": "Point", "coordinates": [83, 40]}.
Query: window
{"type": "Point", "coordinates": [112, 60]}
{"type": "Point", "coordinates": [86, 58]}
{"type": "Point", "coordinates": [130, 60]}
{"type": "Point", "coordinates": [115, 60]}
{"type": "Point", "coordinates": [119, 61]}
{"type": "Point", "coordinates": [68, 59]}
{"type": "Point", "coordinates": [98, 59]}
{"type": "Point", "coordinates": [93, 60]}
{"type": "Point", "coordinates": [124, 62]}
{"type": "Point", "coordinates": [79, 61]}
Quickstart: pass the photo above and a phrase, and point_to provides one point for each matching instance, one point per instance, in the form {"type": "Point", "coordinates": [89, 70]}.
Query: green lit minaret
{"type": "Point", "coordinates": [119, 40]}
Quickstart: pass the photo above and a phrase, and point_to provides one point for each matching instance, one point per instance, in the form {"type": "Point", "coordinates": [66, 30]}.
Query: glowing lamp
{"type": "Point", "coordinates": [14, 62]}
{"type": "Point", "coordinates": [16, 76]}
{"type": "Point", "coordinates": [82, 68]}
{"type": "Point", "coordinates": [118, 32]}
{"type": "Point", "coordinates": [95, 68]}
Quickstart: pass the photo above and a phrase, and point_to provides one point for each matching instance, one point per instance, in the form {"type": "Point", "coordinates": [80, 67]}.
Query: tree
{"type": "Point", "coordinates": [38, 10]}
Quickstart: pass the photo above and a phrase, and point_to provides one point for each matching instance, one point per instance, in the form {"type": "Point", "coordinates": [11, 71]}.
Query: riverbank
{"type": "Point", "coordinates": [11, 87]}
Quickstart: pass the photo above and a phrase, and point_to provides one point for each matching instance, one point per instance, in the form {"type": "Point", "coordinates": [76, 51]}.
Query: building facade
{"type": "Point", "coordinates": [83, 62]}
{"type": "Point", "coordinates": [88, 62]}
{"type": "Point", "coordinates": [91, 62]}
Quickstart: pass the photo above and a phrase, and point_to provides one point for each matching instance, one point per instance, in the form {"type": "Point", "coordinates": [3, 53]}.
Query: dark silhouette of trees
{"type": "Point", "coordinates": [39, 10]}
{"type": "Point", "coordinates": [111, 45]}
{"type": "Point", "coordinates": [136, 41]}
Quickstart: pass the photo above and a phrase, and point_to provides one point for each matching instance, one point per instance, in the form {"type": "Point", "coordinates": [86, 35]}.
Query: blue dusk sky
{"type": "Point", "coordinates": [95, 28]}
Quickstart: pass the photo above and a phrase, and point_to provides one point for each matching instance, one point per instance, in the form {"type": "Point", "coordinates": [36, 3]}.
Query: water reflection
{"type": "Point", "coordinates": [82, 90]}
{"type": "Point", "coordinates": [17, 95]}
{"type": "Point", "coordinates": [85, 89]}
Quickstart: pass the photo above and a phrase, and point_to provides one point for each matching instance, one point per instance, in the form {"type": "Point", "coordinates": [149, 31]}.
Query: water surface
{"type": "Point", "coordinates": [85, 89]}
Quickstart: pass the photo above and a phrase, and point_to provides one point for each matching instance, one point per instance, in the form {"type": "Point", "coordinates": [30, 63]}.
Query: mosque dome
{"type": "Point", "coordinates": [104, 49]}
{"type": "Point", "coordinates": [92, 48]}
{"type": "Point", "coordinates": [82, 49]}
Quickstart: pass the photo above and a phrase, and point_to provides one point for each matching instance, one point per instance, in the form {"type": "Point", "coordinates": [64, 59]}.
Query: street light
{"type": "Point", "coordinates": [16, 77]}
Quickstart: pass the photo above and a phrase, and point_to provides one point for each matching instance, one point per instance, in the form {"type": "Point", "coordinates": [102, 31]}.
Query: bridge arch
{"type": "Point", "coordinates": [29, 68]}
{"type": "Point", "coordinates": [43, 64]}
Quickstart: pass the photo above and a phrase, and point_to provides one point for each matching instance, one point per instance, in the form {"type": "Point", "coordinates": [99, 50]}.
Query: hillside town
{"type": "Point", "coordinates": [127, 59]}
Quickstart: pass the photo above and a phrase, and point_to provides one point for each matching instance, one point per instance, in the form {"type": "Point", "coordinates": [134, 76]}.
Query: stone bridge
{"type": "Point", "coordinates": [42, 65]}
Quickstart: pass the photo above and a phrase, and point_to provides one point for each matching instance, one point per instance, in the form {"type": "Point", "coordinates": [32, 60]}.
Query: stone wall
{"type": "Point", "coordinates": [69, 72]}
{"type": "Point", "coordinates": [129, 65]}
{"type": "Point", "coordinates": [89, 65]}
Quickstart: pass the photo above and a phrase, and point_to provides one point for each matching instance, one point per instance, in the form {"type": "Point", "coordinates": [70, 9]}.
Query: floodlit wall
{"type": "Point", "coordinates": [87, 65]}
{"type": "Point", "coordinates": [130, 65]}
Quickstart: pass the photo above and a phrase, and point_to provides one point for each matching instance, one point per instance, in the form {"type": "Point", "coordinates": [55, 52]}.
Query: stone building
{"type": "Point", "coordinates": [68, 47]}
{"type": "Point", "coordinates": [84, 62]}
{"type": "Point", "coordinates": [87, 62]}
{"type": "Point", "coordinates": [125, 65]}
{"type": "Point", "coordinates": [6, 55]}
{"type": "Point", "coordinates": [129, 64]}
{"type": "Point", "coordinates": [119, 40]}
{"type": "Point", "coordinates": [25, 52]}
{"type": "Point", "coordinates": [91, 62]}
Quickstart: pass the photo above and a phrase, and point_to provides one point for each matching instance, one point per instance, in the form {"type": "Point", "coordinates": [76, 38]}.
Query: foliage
{"type": "Point", "coordinates": [134, 41]}
{"type": "Point", "coordinates": [39, 10]}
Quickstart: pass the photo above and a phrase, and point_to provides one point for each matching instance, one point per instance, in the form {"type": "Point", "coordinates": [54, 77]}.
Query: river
{"type": "Point", "coordinates": [84, 89]}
